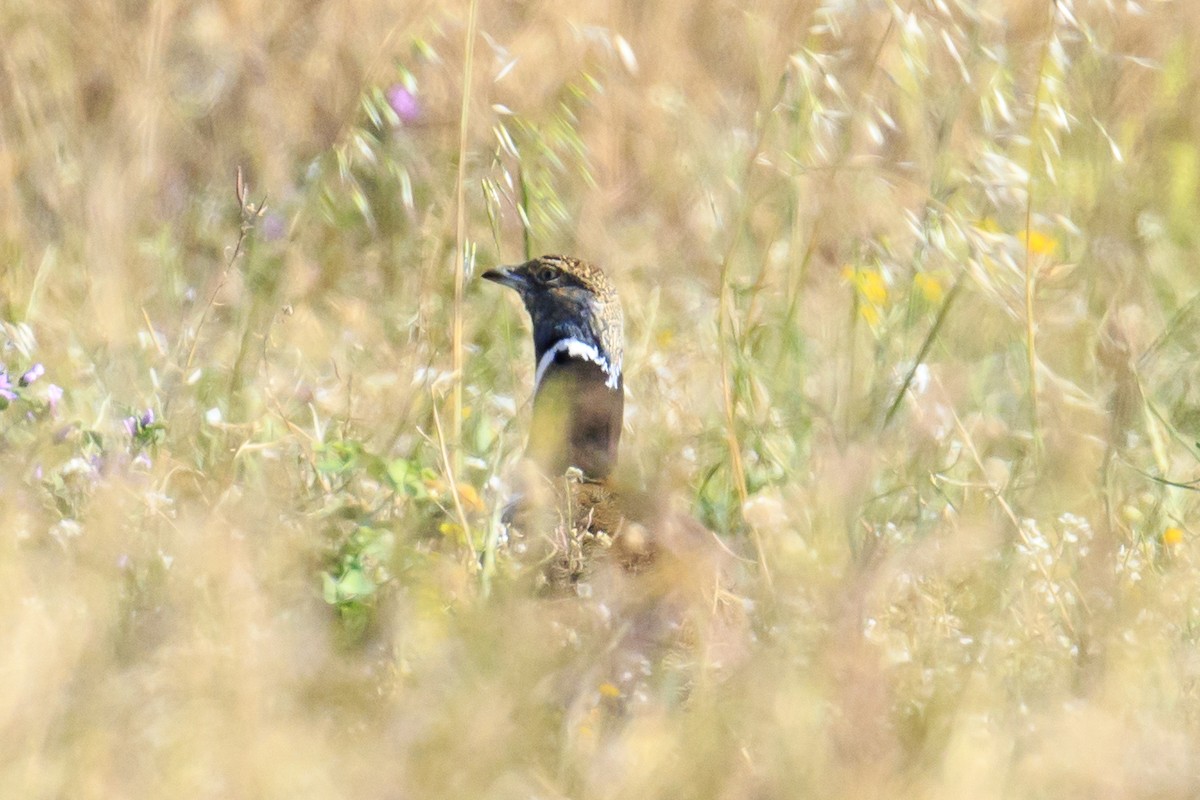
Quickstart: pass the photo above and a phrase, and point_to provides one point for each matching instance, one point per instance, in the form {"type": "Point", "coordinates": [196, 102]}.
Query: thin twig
{"type": "Point", "coordinates": [248, 212]}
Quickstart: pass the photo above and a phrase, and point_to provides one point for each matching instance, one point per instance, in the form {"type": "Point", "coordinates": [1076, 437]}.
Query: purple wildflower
{"type": "Point", "coordinates": [136, 424]}
{"type": "Point", "coordinates": [6, 387]}
{"type": "Point", "coordinates": [54, 394]}
{"type": "Point", "coordinates": [32, 374]}
{"type": "Point", "coordinates": [274, 226]}
{"type": "Point", "coordinates": [404, 103]}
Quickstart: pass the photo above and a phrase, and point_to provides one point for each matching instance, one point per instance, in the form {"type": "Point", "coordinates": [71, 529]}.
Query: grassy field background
{"type": "Point", "coordinates": [911, 292]}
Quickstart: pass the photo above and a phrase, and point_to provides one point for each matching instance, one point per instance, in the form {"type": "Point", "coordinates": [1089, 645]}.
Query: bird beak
{"type": "Point", "coordinates": [505, 276]}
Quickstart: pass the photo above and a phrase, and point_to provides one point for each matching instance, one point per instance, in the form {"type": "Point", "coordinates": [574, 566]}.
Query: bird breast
{"type": "Point", "coordinates": [577, 417]}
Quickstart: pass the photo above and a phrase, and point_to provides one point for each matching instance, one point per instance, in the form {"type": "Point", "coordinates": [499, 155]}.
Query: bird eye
{"type": "Point", "coordinates": [547, 274]}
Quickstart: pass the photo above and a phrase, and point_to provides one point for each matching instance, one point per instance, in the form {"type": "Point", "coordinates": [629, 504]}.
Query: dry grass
{"type": "Point", "coordinates": [911, 291]}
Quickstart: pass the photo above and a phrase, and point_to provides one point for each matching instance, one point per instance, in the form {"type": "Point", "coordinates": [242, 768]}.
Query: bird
{"type": "Point", "coordinates": [578, 338]}
{"type": "Point", "coordinates": [656, 572]}
{"type": "Point", "coordinates": [569, 486]}
{"type": "Point", "coordinates": [567, 490]}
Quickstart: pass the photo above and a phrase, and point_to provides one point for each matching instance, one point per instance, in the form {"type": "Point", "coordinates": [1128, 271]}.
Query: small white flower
{"type": "Point", "coordinates": [65, 530]}
{"type": "Point", "coordinates": [764, 511]}
{"type": "Point", "coordinates": [78, 467]}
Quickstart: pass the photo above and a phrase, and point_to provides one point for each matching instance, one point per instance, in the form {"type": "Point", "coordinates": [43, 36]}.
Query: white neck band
{"type": "Point", "coordinates": [576, 349]}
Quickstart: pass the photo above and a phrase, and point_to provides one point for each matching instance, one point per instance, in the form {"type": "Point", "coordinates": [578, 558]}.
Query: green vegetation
{"type": "Point", "coordinates": [913, 313]}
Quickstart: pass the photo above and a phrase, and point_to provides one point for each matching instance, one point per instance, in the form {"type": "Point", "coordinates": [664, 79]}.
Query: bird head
{"type": "Point", "coordinates": [574, 310]}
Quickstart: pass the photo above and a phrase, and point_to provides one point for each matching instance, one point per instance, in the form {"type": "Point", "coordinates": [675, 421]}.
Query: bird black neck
{"type": "Point", "coordinates": [578, 410]}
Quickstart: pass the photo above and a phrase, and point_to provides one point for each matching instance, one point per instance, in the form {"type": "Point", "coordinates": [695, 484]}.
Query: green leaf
{"type": "Point", "coordinates": [355, 584]}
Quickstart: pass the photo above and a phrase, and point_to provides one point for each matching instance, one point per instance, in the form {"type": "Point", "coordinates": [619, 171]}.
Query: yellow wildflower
{"type": "Point", "coordinates": [871, 290]}
{"type": "Point", "coordinates": [871, 286]}
{"type": "Point", "coordinates": [609, 690]}
{"type": "Point", "coordinates": [1042, 244]}
{"type": "Point", "coordinates": [1173, 536]}
{"type": "Point", "coordinates": [929, 287]}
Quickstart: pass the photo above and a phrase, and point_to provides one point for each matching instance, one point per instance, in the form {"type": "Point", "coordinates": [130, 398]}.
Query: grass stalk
{"type": "Point", "coordinates": [460, 238]}
{"type": "Point", "coordinates": [1030, 282]}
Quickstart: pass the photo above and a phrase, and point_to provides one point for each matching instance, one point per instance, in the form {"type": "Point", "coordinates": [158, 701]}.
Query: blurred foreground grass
{"type": "Point", "coordinates": [911, 299]}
